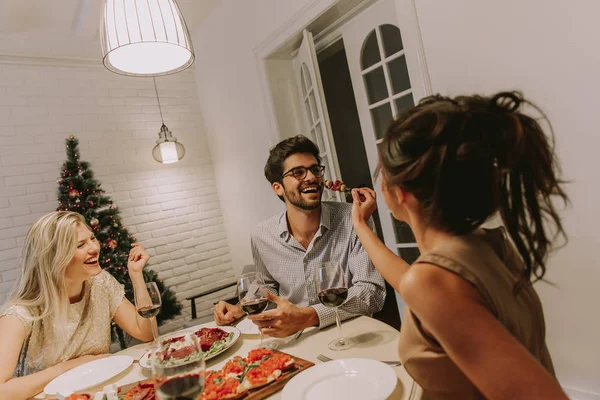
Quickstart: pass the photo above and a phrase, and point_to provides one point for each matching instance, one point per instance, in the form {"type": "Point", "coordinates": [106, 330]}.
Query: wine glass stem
{"type": "Point", "coordinates": [337, 321]}
{"type": "Point", "coordinates": [261, 337]}
{"type": "Point", "coordinates": [154, 325]}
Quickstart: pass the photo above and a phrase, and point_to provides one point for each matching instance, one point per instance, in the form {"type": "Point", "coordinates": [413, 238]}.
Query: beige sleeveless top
{"type": "Point", "coordinates": [87, 331]}
{"type": "Point", "coordinates": [489, 261]}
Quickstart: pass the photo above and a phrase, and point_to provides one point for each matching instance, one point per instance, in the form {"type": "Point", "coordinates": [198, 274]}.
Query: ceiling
{"type": "Point", "coordinates": [40, 28]}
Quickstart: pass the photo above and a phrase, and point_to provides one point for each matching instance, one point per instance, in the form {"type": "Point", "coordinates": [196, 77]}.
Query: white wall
{"type": "Point", "coordinates": [234, 115]}
{"type": "Point", "coordinates": [550, 51]}
{"type": "Point", "coordinates": [547, 49]}
{"type": "Point", "coordinates": [172, 209]}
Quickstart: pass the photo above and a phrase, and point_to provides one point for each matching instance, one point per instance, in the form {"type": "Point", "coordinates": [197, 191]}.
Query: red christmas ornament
{"type": "Point", "coordinates": [112, 243]}
{"type": "Point", "coordinates": [73, 193]}
{"type": "Point", "coordinates": [91, 203]}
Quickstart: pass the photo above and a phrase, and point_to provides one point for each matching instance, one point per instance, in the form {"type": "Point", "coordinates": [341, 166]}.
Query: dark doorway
{"type": "Point", "coordinates": [349, 144]}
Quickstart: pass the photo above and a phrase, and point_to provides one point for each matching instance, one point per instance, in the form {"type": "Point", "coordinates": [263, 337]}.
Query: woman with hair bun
{"type": "Point", "coordinates": [474, 326]}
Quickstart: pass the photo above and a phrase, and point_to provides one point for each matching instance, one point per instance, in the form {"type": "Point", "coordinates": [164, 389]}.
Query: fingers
{"type": "Point", "coordinates": [274, 298]}
{"type": "Point", "coordinates": [137, 253]}
{"type": "Point", "coordinates": [219, 320]}
{"type": "Point", "coordinates": [221, 307]}
{"type": "Point", "coordinates": [134, 253]}
{"type": "Point", "coordinates": [222, 314]}
{"type": "Point", "coordinates": [368, 193]}
{"type": "Point", "coordinates": [277, 330]}
{"type": "Point", "coordinates": [219, 317]}
{"type": "Point", "coordinates": [266, 316]}
{"type": "Point", "coordinates": [268, 323]}
{"type": "Point", "coordinates": [225, 313]}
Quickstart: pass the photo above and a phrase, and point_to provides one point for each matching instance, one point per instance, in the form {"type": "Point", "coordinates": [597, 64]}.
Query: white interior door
{"type": "Point", "coordinates": [316, 121]}
{"type": "Point", "coordinates": [382, 87]}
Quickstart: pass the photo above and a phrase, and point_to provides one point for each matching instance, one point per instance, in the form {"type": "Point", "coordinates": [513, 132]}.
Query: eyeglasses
{"type": "Point", "coordinates": [301, 172]}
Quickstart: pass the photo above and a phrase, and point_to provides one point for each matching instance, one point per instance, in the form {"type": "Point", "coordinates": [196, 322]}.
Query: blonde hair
{"type": "Point", "coordinates": [49, 247]}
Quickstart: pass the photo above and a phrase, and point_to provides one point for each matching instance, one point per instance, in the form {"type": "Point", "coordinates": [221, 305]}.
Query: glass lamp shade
{"type": "Point", "coordinates": [167, 150]}
{"type": "Point", "coordinates": [144, 38]}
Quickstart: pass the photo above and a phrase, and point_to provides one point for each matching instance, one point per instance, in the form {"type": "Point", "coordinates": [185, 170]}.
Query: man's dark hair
{"type": "Point", "coordinates": [284, 149]}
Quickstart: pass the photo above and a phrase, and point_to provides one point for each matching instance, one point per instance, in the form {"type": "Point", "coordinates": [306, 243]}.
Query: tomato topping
{"type": "Point", "coordinates": [258, 354]}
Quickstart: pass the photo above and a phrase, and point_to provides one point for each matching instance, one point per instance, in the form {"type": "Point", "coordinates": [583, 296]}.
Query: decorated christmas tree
{"type": "Point", "coordinates": [78, 191]}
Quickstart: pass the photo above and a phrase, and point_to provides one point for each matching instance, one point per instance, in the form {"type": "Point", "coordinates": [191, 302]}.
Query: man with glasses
{"type": "Point", "coordinates": [288, 247]}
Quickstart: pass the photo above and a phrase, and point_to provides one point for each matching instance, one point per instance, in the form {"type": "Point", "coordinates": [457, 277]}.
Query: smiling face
{"type": "Point", "coordinates": [304, 194]}
{"type": "Point", "coordinates": [84, 263]}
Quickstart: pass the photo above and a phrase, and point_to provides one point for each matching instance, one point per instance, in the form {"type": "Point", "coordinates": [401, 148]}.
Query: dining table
{"type": "Point", "coordinates": [374, 340]}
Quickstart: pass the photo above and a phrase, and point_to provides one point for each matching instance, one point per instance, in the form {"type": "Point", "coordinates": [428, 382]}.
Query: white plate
{"type": "Point", "coordinates": [88, 375]}
{"type": "Point", "coordinates": [145, 360]}
{"type": "Point", "coordinates": [247, 327]}
{"type": "Point", "coordinates": [349, 378]}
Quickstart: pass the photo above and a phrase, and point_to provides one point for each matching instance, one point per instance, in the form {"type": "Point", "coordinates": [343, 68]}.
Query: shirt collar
{"type": "Point", "coordinates": [284, 232]}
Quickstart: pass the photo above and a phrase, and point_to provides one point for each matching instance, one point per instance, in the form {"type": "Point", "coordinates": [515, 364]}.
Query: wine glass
{"type": "Point", "coordinates": [179, 380]}
{"type": "Point", "coordinates": [253, 299]}
{"type": "Point", "coordinates": [147, 304]}
{"type": "Point", "coordinates": [332, 291]}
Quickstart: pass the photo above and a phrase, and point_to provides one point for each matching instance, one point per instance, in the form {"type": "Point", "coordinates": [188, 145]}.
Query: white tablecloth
{"type": "Point", "coordinates": [376, 340]}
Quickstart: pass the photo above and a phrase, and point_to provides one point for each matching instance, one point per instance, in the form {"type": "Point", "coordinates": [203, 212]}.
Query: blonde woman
{"type": "Point", "coordinates": [58, 316]}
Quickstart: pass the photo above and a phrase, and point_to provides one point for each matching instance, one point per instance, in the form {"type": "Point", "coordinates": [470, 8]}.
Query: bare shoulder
{"type": "Point", "coordinates": [12, 329]}
{"type": "Point", "coordinates": [16, 316]}
{"type": "Point", "coordinates": [431, 284]}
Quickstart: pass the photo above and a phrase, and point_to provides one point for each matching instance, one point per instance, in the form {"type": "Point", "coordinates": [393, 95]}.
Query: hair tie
{"type": "Point", "coordinates": [506, 101]}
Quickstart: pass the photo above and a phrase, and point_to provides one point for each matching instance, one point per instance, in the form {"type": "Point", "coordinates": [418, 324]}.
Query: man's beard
{"type": "Point", "coordinates": [296, 199]}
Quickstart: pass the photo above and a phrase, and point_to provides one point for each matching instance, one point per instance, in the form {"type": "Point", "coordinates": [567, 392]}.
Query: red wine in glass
{"type": "Point", "coordinates": [252, 292]}
{"type": "Point", "coordinates": [186, 387]}
{"type": "Point", "coordinates": [255, 306]}
{"type": "Point", "coordinates": [333, 297]}
{"type": "Point", "coordinates": [147, 303]}
{"type": "Point", "coordinates": [332, 291]}
{"type": "Point", "coordinates": [179, 381]}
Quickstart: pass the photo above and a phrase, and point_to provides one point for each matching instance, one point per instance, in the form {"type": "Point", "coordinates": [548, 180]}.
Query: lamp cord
{"type": "Point", "coordinates": [158, 99]}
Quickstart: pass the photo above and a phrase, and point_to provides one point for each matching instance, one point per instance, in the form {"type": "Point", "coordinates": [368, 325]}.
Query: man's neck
{"type": "Point", "coordinates": [303, 224]}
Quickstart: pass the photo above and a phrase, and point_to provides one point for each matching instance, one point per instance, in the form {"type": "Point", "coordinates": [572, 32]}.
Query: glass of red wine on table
{"type": "Point", "coordinates": [332, 291]}
{"type": "Point", "coordinates": [179, 381]}
{"type": "Point", "coordinates": [147, 304]}
{"type": "Point", "coordinates": [252, 294]}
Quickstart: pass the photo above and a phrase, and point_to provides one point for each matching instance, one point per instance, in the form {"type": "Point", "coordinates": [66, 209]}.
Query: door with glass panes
{"type": "Point", "coordinates": [316, 120]}
{"type": "Point", "coordinates": [382, 88]}
{"type": "Point", "coordinates": [381, 85]}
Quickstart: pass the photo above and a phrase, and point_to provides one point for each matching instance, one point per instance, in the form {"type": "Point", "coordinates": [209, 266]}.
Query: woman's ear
{"type": "Point", "coordinates": [399, 195]}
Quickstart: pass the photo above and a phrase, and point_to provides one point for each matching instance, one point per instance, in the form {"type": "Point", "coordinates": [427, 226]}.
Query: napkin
{"type": "Point", "coordinates": [248, 327]}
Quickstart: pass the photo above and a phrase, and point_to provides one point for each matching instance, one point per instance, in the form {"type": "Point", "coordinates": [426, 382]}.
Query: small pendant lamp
{"type": "Point", "coordinates": [167, 150]}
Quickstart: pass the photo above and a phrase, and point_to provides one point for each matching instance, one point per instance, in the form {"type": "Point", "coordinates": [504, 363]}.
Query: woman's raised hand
{"type": "Point", "coordinates": [364, 205]}
{"type": "Point", "coordinates": [137, 258]}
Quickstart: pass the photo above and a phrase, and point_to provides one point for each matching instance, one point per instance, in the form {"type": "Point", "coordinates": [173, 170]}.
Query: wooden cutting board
{"type": "Point", "coordinates": [300, 365]}
{"type": "Point", "coordinates": [275, 386]}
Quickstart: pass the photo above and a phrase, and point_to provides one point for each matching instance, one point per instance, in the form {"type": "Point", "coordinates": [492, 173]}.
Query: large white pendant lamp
{"type": "Point", "coordinates": [145, 38]}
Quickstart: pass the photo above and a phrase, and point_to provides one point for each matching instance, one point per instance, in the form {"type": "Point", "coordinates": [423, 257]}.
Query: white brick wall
{"type": "Point", "coordinates": [171, 209]}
